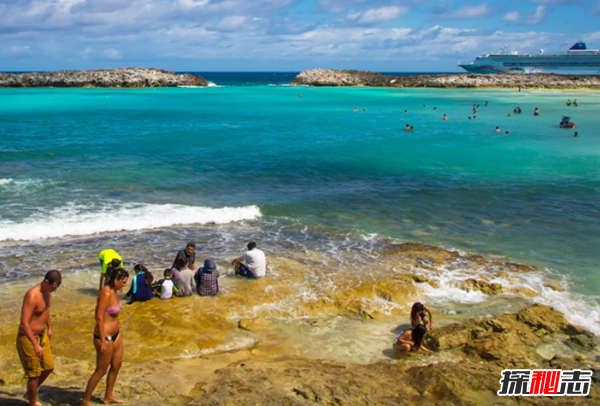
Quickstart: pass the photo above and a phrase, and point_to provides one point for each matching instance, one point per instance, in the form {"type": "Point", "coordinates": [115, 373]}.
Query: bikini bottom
{"type": "Point", "coordinates": [111, 338]}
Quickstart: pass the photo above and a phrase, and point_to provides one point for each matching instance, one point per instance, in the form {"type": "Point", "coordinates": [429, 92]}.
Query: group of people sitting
{"type": "Point", "coordinates": [411, 340]}
{"type": "Point", "coordinates": [180, 279]}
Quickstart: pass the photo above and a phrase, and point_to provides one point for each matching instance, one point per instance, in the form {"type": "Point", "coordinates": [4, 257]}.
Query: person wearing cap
{"type": "Point", "coordinates": [108, 258]}
{"type": "Point", "coordinates": [207, 283]}
{"type": "Point", "coordinates": [189, 253]}
{"type": "Point", "coordinates": [256, 263]}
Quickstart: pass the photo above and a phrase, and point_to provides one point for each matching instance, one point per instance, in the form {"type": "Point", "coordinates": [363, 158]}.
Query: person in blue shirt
{"type": "Point", "coordinates": [141, 287]}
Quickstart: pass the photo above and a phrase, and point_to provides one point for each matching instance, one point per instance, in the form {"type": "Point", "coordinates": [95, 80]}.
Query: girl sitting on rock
{"type": "Point", "coordinates": [410, 341]}
{"type": "Point", "coordinates": [420, 314]}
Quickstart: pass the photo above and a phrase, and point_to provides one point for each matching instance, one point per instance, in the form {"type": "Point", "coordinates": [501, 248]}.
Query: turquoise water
{"type": "Point", "coordinates": [80, 167]}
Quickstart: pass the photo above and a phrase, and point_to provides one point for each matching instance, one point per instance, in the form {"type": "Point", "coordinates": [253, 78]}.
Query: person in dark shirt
{"type": "Point", "coordinates": [189, 253]}
{"type": "Point", "coordinates": [141, 287]}
{"type": "Point", "coordinates": [207, 283]}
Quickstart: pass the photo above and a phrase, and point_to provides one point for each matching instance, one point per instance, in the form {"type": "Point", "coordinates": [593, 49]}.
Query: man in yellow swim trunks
{"type": "Point", "coordinates": [35, 333]}
{"type": "Point", "coordinates": [108, 257]}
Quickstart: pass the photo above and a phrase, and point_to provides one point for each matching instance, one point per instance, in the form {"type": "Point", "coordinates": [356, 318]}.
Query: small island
{"type": "Point", "coordinates": [340, 77]}
{"type": "Point", "coordinates": [121, 77]}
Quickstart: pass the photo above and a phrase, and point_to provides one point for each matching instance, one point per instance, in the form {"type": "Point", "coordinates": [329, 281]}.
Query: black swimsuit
{"type": "Point", "coordinates": [113, 338]}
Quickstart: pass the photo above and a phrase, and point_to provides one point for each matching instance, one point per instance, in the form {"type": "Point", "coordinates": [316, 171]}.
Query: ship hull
{"type": "Point", "coordinates": [578, 60]}
{"type": "Point", "coordinates": [471, 68]}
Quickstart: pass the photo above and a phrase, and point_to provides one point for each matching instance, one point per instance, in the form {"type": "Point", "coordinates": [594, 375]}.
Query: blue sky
{"type": "Point", "coordinates": [284, 35]}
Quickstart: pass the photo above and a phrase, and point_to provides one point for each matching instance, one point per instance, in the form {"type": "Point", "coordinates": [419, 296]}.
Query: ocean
{"type": "Point", "coordinates": [326, 177]}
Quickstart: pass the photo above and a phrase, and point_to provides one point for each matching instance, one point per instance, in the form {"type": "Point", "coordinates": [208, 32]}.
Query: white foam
{"type": "Point", "coordinates": [10, 183]}
{"type": "Point", "coordinates": [447, 293]}
{"type": "Point", "coordinates": [578, 309]}
{"type": "Point", "coordinates": [77, 220]}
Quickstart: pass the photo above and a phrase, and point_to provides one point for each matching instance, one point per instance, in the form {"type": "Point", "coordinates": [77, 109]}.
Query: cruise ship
{"type": "Point", "coordinates": [578, 60]}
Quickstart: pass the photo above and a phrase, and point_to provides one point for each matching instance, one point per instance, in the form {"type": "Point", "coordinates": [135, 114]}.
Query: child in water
{"type": "Point", "coordinates": [420, 314]}
{"type": "Point", "coordinates": [164, 288]}
{"type": "Point", "coordinates": [411, 341]}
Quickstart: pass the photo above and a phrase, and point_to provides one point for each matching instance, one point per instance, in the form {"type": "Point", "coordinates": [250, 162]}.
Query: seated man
{"type": "Point", "coordinates": [188, 253]}
{"type": "Point", "coordinates": [256, 263]}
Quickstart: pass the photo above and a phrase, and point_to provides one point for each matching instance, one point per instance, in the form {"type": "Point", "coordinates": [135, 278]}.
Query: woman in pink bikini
{"type": "Point", "coordinates": [411, 341]}
{"type": "Point", "coordinates": [107, 340]}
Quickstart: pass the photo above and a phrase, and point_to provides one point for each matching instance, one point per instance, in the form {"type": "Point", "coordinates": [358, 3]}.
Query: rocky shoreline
{"type": "Point", "coordinates": [465, 370]}
{"type": "Point", "coordinates": [122, 77]}
{"type": "Point", "coordinates": [337, 77]}
{"type": "Point", "coordinates": [210, 351]}
{"type": "Point", "coordinates": [193, 351]}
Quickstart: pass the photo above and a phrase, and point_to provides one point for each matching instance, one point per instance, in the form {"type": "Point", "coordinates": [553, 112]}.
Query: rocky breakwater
{"type": "Point", "coordinates": [337, 77]}
{"type": "Point", "coordinates": [122, 77]}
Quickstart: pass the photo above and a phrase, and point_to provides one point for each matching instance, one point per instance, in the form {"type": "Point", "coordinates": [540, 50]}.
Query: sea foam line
{"type": "Point", "coordinates": [84, 220]}
{"type": "Point", "coordinates": [577, 308]}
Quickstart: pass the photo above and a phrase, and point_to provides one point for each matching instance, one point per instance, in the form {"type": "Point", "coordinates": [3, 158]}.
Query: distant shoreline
{"type": "Point", "coordinates": [122, 77]}
{"type": "Point", "coordinates": [150, 77]}
{"type": "Point", "coordinates": [345, 78]}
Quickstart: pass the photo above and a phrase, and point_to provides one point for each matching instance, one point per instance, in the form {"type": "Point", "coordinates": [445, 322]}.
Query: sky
{"type": "Point", "coordinates": [284, 35]}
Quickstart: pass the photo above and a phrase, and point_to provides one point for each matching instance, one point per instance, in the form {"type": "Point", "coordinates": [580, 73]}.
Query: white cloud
{"type": "Point", "coordinates": [377, 15]}
{"type": "Point", "coordinates": [113, 54]}
{"type": "Point", "coordinates": [231, 23]}
{"type": "Point", "coordinates": [538, 15]}
{"type": "Point", "coordinates": [19, 50]}
{"type": "Point", "coordinates": [189, 4]}
{"type": "Point", "coordinates": [339, 6]}
{"type": "Point", "coordinates": [512, 16]}
{"type": "Point", "coordinates": [482, 10]}
{"type": "Point", "coordinates": [175, 34]}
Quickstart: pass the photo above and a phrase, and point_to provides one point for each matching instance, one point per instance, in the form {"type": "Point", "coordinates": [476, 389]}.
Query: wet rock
{"type": "Point", "coordinates": [554, 285]}
{"type": "Point", "coordinates": [582, 342]}
{"type": "Point", "coordinates": [256, 324]}
{"type": "Point", "coordinates": [565, 363]}
{"type": "Point", "coordinates": [484, 287]}
{"type": "Point", "coordinates": [525, 292]}
{"type": "Point", "coordinates": [514, 267]}
{"type": "Point", "coordinates": [543, 319]}
{"type": "Point", "coordinates": [122, 77]}
{"type": "Point", "coordinates": [505, 350]}
{"type": "Point", "coordinates": [507, 340]}
{"type": "Point", "coordinates": [454, 335]}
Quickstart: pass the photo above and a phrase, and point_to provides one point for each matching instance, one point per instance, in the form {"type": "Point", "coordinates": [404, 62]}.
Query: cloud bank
{"type": "Point", "coordinates": [196, 35]}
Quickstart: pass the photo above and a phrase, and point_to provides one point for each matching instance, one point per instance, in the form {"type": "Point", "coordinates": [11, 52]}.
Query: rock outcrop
{"type": "Point", "coordinates": [337, 77]}
{"type": "Point", "coordinates": [465, 370]}
{"type": "Point", "coordinates": [122, 77]}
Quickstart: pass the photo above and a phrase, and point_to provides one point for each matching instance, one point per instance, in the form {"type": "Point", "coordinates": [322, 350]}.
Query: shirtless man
{"type": "Point", "coordinates": [35, 333]}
